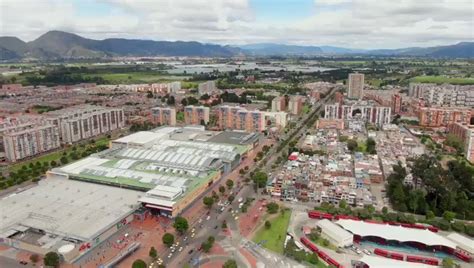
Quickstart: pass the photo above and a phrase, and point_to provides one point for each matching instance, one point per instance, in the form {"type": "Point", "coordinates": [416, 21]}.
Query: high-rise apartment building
{"type": "Point", "coordinates": [466, 134]}
{"type": "Point", "coordinates": [396, 103]}
{"type": "Point", "coordinates": [196, 115]}
{"type": "Point", "coordinates": [163, 116]}
{"type": "Point", "coordinates": [83, 122]}
{"type": "Point", "coordinates": [339, 97]}
{"type": "Point", "coordinates": [443, 95]}
{"type": "Point", "coordinates": [295, 105]}
{"type": "Point", "coordinates": [27, 142]}
{"type": "Point", "coordinates": [443, 116]}
{"type": "Point", "coordinates": [356, 86]}
{"type": "Point", "coordinates": [239, 118]}
{"type": "Point", "coordinates": [278, 104]}
{"type": "Point", "coordinates": [207, 87]}
{"type": "Point", "coordinates": [378, 115]}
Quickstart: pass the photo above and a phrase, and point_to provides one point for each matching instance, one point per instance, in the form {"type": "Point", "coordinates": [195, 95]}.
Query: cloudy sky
{"type": "Point", "coordinates": [348, 23]}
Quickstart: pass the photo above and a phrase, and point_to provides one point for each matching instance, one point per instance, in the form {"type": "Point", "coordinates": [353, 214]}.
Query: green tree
{"type": "Point", "coordinates": [221, 189]}
{"type": "Point", "coordinates": [230, 264]}
{"type": "Point", "coordinates": [230, 198]}
{"type": "Point", "coordinates": [268, 225]}
{"type": "Point", "coordinates": [313, 258]}
{"type": "Point", "coordinates": [314, 235]}
{"type": "Point", "coordinates": [168, 239]}
{"type": "Point", "coordinates": [51, 259]}
{"type": "Point", "coordinates": [153, 253]}
{"type": "Point", "coordinates": [260, 178]}
{"type": "Point", "coordinates": [181, 225]}
{"type": "Point", "coordinates": [64, 160]}
{"type": "Point", "coordinates": [343, 204]}
{"type": "Point", "coordinates": [370, 144]}
{"type": "Point", "coordinates": [429, 215]}
{"type": "Point", "coordinates": [449, 215]}
{"type": "Point", "coordinates": [208, 201]}
{"type": "Point", "coordinates": [455, 142]}
{"type": "Point", "coordinates": [230, 184]}
{"type": "Point", "coordinates": [352, 145]}
{"type": "Point", "coordinates": [272, 208]}
{"type": "Point", "coordinates": [325, 242]}
{"type": "Point", "coordinates": [139, 264]}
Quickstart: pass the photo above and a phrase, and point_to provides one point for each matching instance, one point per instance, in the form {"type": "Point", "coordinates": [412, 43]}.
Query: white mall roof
{"type": "Point", "coordinates": [463, 242]}
{"type": "Point", "coordinates": [397, 233]}
{"type": "Point", "coordinates": [68, 208]}
{"type": "Point", "coordinates": [379, 262]}
{"type": "Point", "coordinates": [142, 137]}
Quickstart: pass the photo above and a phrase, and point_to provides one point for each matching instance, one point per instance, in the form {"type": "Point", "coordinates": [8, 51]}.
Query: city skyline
{"type": "Point", "coordinates": [359, 24]}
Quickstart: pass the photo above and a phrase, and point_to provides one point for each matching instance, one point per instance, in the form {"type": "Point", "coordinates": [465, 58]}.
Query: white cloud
{"type": "Point", "coordinates": [356, 23]}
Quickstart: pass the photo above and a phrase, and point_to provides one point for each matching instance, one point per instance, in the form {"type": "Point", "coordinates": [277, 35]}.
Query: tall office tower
{"type": "Point", "coordinates": [356, 86]}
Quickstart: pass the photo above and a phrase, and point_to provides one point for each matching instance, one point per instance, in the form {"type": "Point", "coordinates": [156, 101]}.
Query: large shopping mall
{"type": "Point", "coordinates": [83, 203]}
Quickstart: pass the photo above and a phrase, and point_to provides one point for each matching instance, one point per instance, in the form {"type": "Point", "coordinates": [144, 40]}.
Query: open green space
{"type": "Point", "coordinates": [443, 79]}
{"type": "Point", "coordinates": [138, 77]}
{"type": "Point", "coordinates": [306, 109]}
{"type": "Point", "coordinates": [276, 234]}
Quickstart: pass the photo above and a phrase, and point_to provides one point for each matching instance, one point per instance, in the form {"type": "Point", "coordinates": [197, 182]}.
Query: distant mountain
{"type": "Point", "coordinates": [62, 45]}
{"type": "Point", "coordinates": [460, 50]}
{"type": "Point", "coordinates": [12, 47]}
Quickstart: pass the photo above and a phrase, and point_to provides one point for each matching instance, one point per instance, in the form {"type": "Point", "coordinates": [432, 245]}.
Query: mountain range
{"type": "Point", "coordinates": [63, 45]}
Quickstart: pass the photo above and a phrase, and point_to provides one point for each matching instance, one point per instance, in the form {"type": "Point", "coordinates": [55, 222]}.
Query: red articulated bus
{"type": "Point", "coordinates": [321, 254]}
{"type": "Point", "coordinates": [433, 229]}
{"type": "Point", "coordinates": [346, 217]}
{"type": "Point", "coordinates": [381, 252]}
{"type": "Point", "coordinates": [411, 258]}
{"type": "Point", "coordinates": [424, 260]}
{"type": "Point", "coordinates": [394, 223]}
{"type": "Point", "coordinates": [320, 215]}
{"type": "Point", "coordinates": [396, 256]}
{"type": "Point", "coordinates": [309, 245]}
{"type": "Point", "coordinates": [418, 226]}
{"type": "Point", "coordinates": [431, 261]}
{"type": "Point", "coordinates": [462, 256]}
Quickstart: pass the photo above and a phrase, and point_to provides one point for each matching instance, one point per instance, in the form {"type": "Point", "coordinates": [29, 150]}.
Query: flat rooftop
{"type": "Point", "coordinates": [67, 208]}
{"type": "Point", "coordinates": [235, 137]}
{"type": "Point", "coordinates": [170, 160]}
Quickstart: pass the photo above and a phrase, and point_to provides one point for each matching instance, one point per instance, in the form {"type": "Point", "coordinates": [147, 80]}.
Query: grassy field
{"type": "Point", "coordinates": [138, 77]}
{"type": "Point", "coordinates": [275, 236]}
{"type": "Point", "coordinates": [443, 79]}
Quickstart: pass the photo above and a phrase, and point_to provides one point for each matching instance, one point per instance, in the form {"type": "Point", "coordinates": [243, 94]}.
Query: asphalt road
{"type": "Point", "coordinates": [11, 263]}
{"type": "Point", "coordinates": [208, 227]}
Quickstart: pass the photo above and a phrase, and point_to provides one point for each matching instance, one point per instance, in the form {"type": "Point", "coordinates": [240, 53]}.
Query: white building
{"type": "Point", "coordinates": [207, 87]}
{"type": "Point", "coordinates": [83, 122]}
{"type": "Point", "coordinates": [277, 119]}
{"type": "Point", "coordinates": [334, 233]}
